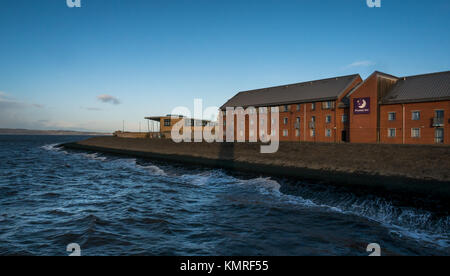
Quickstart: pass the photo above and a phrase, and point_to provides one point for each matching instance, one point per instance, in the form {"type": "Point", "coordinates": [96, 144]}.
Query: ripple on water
{"type": "Point", "coordinates": [124, 206]}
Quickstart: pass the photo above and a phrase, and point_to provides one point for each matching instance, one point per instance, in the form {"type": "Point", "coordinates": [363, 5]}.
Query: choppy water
{"type": "Point", "coordinates": [124, 206]}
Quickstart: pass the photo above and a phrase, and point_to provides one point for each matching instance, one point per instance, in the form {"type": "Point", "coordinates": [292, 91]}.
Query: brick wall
{"type": "Point", "coordinates": [427, 131]}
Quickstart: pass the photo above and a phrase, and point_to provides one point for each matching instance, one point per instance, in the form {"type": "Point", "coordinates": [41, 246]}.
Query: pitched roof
{"type": "Point", "coordinates": [421, 88]}
{"type": "Point", "coordinates": [311, 91]}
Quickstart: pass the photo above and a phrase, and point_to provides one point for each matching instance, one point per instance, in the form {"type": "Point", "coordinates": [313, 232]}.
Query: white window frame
{"type": "Point", "coordinates": [389, 132]}
{"type": "Point", "coordinates": [412, 115]}
{"type": "Point", "coordinates": [418, 132]}
{"type": "Point", "coordinates": [285, 133]}
{"type": "Point", "coordinates": [389, 116]}
{"type": "Point", "coordinates": [328, 132]}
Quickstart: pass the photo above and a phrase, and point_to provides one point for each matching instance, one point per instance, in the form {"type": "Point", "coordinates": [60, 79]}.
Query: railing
{"type": "Point", "coordinates": [438, 121]}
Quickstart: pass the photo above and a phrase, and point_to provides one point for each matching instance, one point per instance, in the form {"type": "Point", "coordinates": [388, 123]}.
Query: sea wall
{"type": "Point", "coordinates": [402, 169]}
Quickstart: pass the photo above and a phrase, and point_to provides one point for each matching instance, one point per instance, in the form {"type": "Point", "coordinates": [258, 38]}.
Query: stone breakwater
{"type": "Point", "coordinates": [397, 170]}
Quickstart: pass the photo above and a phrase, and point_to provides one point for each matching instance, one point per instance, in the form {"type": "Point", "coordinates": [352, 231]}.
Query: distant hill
{"type": "Point", "coordinates": [8, 131]}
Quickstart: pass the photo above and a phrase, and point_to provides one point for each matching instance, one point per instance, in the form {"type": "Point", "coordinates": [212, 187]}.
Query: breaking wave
{"type": "Point", "coordinates": [402, 222]}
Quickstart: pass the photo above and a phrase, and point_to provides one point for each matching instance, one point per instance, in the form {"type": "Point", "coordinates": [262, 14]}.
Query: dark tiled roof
{"type": "Point", "coordinates": [422, 88]}
{"type": "Point", "coordinates": [320, 90]}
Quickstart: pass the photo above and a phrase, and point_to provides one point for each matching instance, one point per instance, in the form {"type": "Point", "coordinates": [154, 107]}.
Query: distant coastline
{"type": "Point", "coordinates": [10, 131]}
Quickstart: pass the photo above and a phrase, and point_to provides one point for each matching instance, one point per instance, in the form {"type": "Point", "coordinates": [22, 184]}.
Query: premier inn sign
{"type": "Point", "coordinates": [361, 106]}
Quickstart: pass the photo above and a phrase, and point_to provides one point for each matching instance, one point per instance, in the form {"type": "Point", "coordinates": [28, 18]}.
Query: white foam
{"type": "Point", "coordinates": [154, 170]}
{"type": "Point", "coordinates": [94, 156]}
{"type": "Point", "coordinates": [196, 179]}
{"type": "Point", "coordinates": [407, 222]}
{"type": "Point", "coordinates": [54, 148]}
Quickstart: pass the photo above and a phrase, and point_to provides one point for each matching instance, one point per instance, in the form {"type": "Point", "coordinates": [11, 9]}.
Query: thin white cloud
{"type": "Point", "coordinates": [108, 99]}
{"type": "Point", "coordinates": [361, 63]}
{"type": "Point", "coordinates": [92, 108]}
{"type": "Point", "coordinates": [7, 102]}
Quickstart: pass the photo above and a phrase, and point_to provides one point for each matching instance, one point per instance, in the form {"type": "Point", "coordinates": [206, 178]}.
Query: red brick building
{"type": "Point", "coordinates": [315, 111]}
{"type": "Point", "coordinates": [406, 110]}
{"type": "Point", "coordinates": [381, 109]}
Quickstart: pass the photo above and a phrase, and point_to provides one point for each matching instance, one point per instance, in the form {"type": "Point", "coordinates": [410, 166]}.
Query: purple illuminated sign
{"type": "Point", "coordinates": [361, 106]}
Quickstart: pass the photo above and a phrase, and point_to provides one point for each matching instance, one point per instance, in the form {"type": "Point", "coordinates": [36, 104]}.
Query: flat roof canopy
{"type": "Point", "coordinates": [158, 118]}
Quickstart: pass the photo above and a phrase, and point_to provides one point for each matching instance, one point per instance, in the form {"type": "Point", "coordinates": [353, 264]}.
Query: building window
{"type": "Point", "coordinates": [262, 122]}
{"type": "Point", "coordinates": [328, 132]}
{"type": "Point", "coordinates": [439, 135]}
{"type": "Point", "coordinates": [241, 133]}
{"type": "Point", "coordinates": [313, 118]}
{"type": "Point", "coordinates": [313, 132]}
{"type": "Point", "coordinates": [344, 118]}
{"type": "Point", "coordinates": [274, 132]}
{"type": "Point", "coordinates": [252, 133]}
{"type": "Point", "coordinates": [327, 105]}
{"type": "Point", "coordinates": [251, 122]}
{"type": "Point", "coordinates": [392, 116]}
{"type": "Point", "coordinates": [298, 107]}
{"type": "Point", "coordinates": [416, 115]}
{"type": "Point", "coordinates": [297, 132]}
{"type": "Point", "coordinates": [286, 108]}
{"type": "Point", "coordinates": [286, 121]}
{"type": "Point", "coordinates": [415, 132]}
{"type": "Point", "coordinates": [313, 106]}
{"type": "Point", "coordinates": [297, 120]}
{"type": "Point", "coordinates": [328, 119]}
{"type": "Point", "coordinates": [167, 122]}
{"type": "Point", "coordinates": [392, 132]}
{"type": "Point", "coordinates": [438, 120]}
{"type": "Point", "coordinates": [274, 109]}
{"type": "Point", "coordinates": [263, 110]}
{"type": "Point", "coordinates": [262, 133]}
{"type": "Point", "coordinates": [285, 133]}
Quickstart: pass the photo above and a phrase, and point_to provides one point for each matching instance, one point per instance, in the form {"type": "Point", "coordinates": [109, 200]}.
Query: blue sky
{"type": "Point", "coordinates": [90, 68]}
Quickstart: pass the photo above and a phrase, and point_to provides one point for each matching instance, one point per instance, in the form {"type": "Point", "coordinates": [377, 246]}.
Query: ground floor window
{"type": "Point", "coordinates": [297, 133]}
{"type": "Point", "coordinates": [415, 132]}
{"type": "Point", "coordinates": [392, 132]}
{"type": "Point", "coordinates": [439, 135]}
{"type": "Point", "coordinates": [313, 132]}
{"type": "Point", "coordinates": [328, 132]}
{"type": "Point", "coordinates": [285, 133]}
